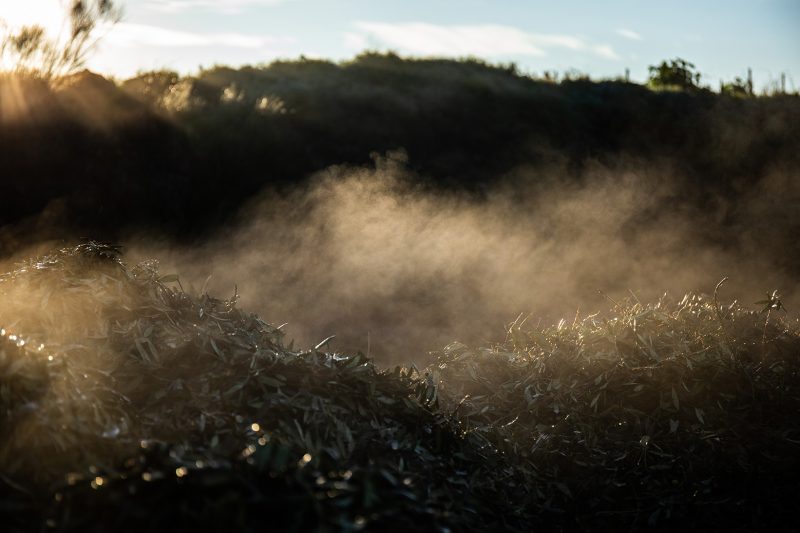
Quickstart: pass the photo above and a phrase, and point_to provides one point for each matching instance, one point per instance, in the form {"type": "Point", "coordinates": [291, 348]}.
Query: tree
{"type": "Point", "coordinates": [32, 52]}
{"type": "Point", "coordinates": [675, 74]}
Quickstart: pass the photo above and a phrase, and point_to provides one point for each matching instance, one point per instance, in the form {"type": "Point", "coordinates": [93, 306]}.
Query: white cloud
{"type": "Point", "coordinates": [125, 34]}
{"type": "Point", "coordinates": [604, 51]}
{"type": "Point", "coordinates": [430, 39]}
{"type": "Point", "coordinates": [487, 40]}
{"type": "Point", "coordinates": [220, 6]}
{"type": "Point", "coordinates": [629, 34]}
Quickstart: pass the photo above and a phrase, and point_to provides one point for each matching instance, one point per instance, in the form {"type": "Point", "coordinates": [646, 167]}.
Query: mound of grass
{"type": "Point", "coordinates": [127, 402]}
{"type": "Point", "coordinates": [665, 414]}
{"type": "Point", "coordinates": [146, 407]}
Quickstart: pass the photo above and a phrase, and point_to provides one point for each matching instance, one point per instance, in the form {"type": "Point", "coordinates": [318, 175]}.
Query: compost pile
{"type": "Point", "coordinates": [129, 403]}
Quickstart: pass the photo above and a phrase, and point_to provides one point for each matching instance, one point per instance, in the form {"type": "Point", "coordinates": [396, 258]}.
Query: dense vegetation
{"type": "Point", "coordinates": [130, 402]}
{"type": "Point", "coordinates": [148, 408]}
{"type": "Point", "coordinates": [182, 154]}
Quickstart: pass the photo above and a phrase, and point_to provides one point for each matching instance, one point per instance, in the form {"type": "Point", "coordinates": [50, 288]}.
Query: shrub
{"type": "Point", "coordinates": [674, 74]}
{"type": "Point", "coordinates": [149, 407]}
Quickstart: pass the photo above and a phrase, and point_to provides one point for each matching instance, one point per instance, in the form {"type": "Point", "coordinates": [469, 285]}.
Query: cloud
{"type": "Point", "coordinates": [486, 40]}
{"type": "Point", "coordinates": [220, 6]}
{"type": "Point", "coordinates": [126, 34]}
{"type": "Point", "coordinates": [604, 51]}
{"type": "Point", "coordinates": [629, 34]}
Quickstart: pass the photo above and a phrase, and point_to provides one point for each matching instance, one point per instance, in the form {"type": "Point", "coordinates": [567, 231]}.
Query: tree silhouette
{"type": "Point", "coordinates": [675, 74]}
{"type": "Point", "coordinates": [32, 52]}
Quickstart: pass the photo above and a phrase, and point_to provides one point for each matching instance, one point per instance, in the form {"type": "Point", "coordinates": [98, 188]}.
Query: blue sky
{"type": "Point", "coordinates": [600, 38]}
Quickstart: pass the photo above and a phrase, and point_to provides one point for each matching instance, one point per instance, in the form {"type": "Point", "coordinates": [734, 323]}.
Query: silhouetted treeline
{"type": "Point", "coordinates": [180, 155]}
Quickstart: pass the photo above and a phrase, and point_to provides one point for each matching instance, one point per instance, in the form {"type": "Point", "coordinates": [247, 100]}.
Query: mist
{"type": "Point", "coordinates": [493, 195]}
{"type": "Point", "coordinates": [395, 269]}
{"type": "Point", "coordinates": [394, 293]}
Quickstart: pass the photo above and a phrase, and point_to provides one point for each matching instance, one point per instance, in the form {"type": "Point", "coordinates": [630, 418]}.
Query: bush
{"type": "Point", "coordinates": [737, 88]}
{"type": "Point", "coordinates": [674, 74]}
{"type": "Point", "coordinates": [150, 407]}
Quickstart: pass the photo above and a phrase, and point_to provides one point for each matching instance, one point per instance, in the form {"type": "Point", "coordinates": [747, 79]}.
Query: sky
{"type": "Point", "coordinates": [598, 38]}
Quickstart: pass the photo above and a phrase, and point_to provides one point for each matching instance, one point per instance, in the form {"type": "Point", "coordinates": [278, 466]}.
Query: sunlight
{"type": "Point", "coordinates": [46, 13]}
{"type": "Point", "coordinates": [13, 104]}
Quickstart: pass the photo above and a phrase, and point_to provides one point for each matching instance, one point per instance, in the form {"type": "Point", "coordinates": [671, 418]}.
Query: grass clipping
{"type": "Point", "coordinates": [128, 403]}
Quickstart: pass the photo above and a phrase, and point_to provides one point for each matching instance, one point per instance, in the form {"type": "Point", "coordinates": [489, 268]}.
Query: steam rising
{"type": "Point", "coordinates": [396, 270]}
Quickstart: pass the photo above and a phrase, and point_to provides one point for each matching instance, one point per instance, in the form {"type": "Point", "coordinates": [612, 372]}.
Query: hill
{"type": "Point", "coordinates": [182, 155]}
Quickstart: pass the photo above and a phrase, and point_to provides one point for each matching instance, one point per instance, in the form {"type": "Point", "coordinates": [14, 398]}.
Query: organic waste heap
{"type": "Point", "coordinates": [128, 403]}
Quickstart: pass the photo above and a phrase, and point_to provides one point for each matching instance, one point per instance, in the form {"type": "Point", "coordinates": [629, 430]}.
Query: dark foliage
{"type": "Point", "coordinates": [182, 154]}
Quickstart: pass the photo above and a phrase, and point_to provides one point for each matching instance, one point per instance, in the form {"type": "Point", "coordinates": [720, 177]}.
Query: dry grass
{"type": "Point", "coordinates": [127, 402]}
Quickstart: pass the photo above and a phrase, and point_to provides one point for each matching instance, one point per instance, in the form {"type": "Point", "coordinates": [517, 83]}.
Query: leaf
{"type": "Point", "coordinates": [675, 400]}
{"type": "Point", "coordinates": [324, 342]}
{"type": "Point", "coordinates": [215, 347]}
{"type": "Point", "coordinates": [235, 388]}
{"type": "Point", "coordinates": [594, 401]}
{"type": "Point", "coordinates": [699, 413]}
{"type": "Point", "coordinates": [142, 345]}
{"type": "Point", "coordinates": [272, 382]}
{"type": "Point", "coordinates": [529, 396]}
{"type": "Point", "coordinates": [563, 488]}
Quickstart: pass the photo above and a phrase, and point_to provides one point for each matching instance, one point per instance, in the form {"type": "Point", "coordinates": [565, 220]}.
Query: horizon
{"type": "Point", "coordinates": [604, 42]}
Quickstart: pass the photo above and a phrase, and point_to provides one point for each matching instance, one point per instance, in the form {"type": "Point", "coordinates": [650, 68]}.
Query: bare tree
{"type": "Point", "coordinates": [31, 51]}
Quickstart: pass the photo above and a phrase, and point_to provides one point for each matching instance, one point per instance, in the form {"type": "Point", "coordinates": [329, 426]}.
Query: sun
{"type": "Point", "coordinates": [50, 14]}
